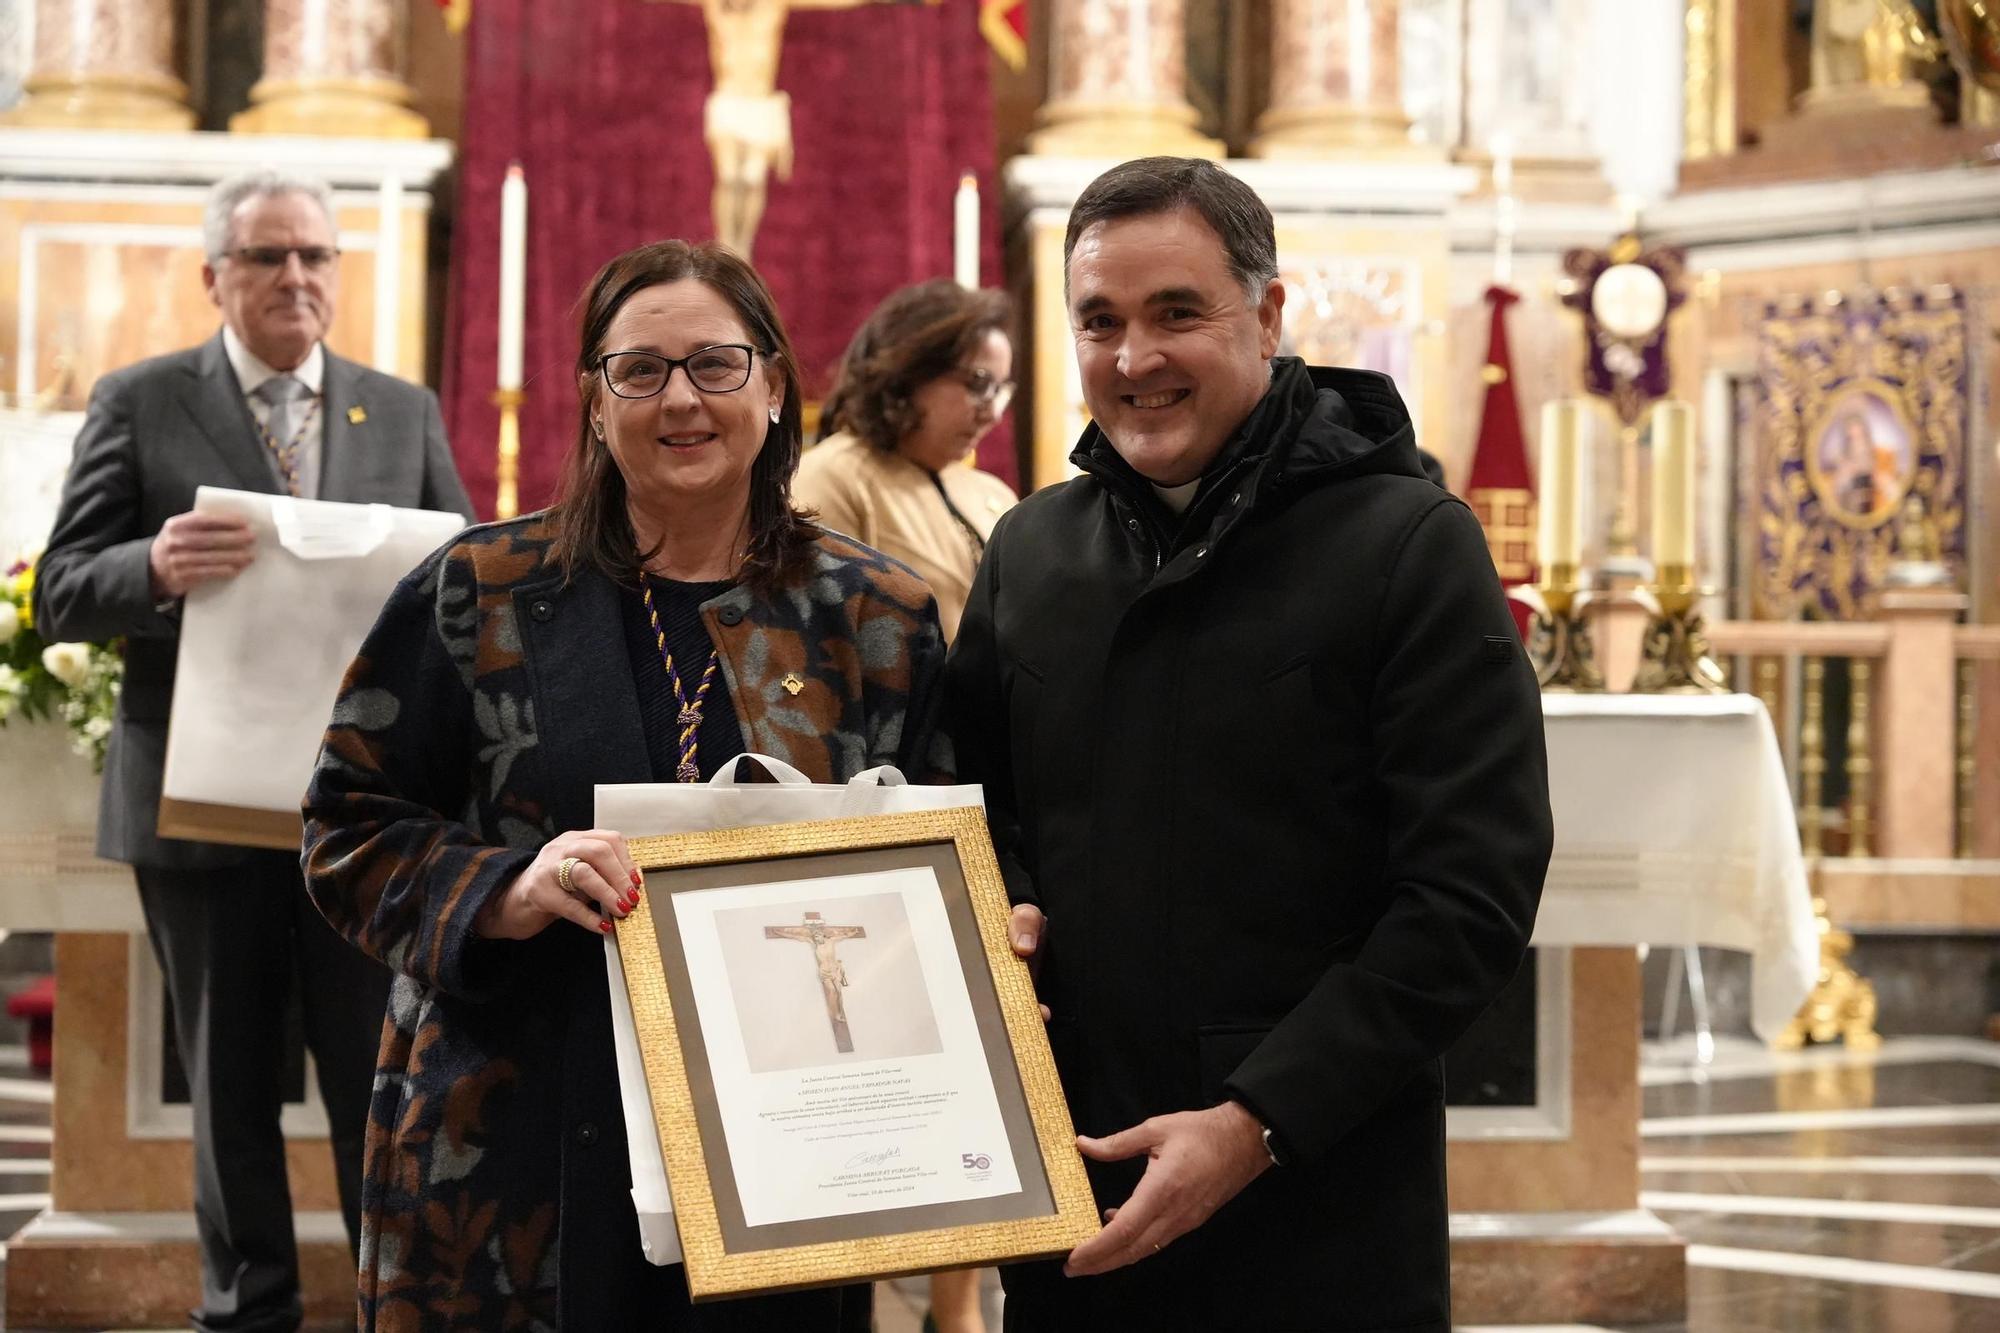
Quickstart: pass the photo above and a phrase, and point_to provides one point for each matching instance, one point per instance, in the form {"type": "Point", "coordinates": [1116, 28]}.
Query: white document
{"type": "Point", "coordinates": [262, 655]}
{"type": "Point", "coordinates": [640, 810]}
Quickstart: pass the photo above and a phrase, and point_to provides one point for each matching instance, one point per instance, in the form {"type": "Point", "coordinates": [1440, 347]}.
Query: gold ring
{"type": "Point", "coordinates": [563, 880]}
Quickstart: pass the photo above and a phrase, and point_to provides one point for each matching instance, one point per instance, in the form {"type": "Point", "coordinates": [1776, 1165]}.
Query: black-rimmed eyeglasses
{"type": "Point", "coordinates": [986, 387]}
{"type": "Point", "coordinates": [312, 258]}
{"type": "Point", "coordinates": [723, 368]}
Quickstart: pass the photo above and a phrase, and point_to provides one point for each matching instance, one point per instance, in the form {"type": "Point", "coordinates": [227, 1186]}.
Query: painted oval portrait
{"type": "Point", "coordinates": [1861, 455]}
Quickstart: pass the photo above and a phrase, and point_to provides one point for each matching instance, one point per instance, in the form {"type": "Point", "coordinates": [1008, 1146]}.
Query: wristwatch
{"type": "Point", "coordinates": [1274, 1147]}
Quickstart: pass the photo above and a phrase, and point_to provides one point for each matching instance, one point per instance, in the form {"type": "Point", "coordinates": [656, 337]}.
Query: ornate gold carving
{"type": "Point", "coordinates": [1842, 1004]}
{"type": "Point", "coordinates": [1559, 642]}
{"type": "Point", "coordinates": [1699, 131]}
{"type": "Point", "coordinates": [1863, 404]}
{"type": "Point", "coordinates": [1674, 654]}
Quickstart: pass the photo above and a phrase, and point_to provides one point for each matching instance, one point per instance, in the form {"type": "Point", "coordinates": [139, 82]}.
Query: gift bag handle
{"type": "Point", "coordinates": [886, 775]}
{"type": "Point", "coordinates": [780, 771]}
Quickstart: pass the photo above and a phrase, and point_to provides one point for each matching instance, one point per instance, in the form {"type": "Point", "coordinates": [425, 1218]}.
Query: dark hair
{"type": "Point", "coordinates": [916, 335]}
{"type": "Point", "coordinates": [1149, 185]}
{"type": "Point", "coordinates": [592, 524]}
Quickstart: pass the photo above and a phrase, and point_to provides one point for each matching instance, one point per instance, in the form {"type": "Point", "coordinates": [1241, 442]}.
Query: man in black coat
{"type": "Point", "coordinates": [1263, 759]}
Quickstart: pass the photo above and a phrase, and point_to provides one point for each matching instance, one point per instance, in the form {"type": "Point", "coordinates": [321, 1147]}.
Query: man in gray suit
{"type": "Point", "coordinates": [263, 406]}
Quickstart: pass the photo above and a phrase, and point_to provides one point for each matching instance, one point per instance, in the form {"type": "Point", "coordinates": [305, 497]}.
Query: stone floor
{"type": "Point", "coordinates": [1820, 1192]}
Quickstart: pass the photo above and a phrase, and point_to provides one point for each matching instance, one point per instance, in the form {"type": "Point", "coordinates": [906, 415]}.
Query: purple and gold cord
{"type": "Point", "coordinates": [687, 714]}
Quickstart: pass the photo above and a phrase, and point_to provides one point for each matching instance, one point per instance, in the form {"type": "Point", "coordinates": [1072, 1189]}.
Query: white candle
{"type": "Point", "coordinates": [1560, 535]}
{"type": "Point", "coordinates": [1673, 485]}
{"type": "Point", "coordinates": [965, 232]}
{"type": "Point", "coordinates": [513, 273]}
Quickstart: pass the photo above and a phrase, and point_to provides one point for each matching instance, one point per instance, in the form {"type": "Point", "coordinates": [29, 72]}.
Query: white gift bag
{"type": "Point", "coordinates": [262, 656]}
{"type": "Point", "coordinates": [651, 809]}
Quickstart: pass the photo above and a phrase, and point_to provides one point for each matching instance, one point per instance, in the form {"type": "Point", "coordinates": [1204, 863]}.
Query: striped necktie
{"type": "Point", "coordinates": [290, 403]}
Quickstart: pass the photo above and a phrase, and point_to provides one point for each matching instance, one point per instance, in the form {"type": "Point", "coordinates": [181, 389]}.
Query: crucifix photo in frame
{"type": "Point", "coordinates": [845, 1059]}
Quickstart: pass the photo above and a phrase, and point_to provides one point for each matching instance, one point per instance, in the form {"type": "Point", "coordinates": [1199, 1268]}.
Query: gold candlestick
{"type": "Point", "coordinates": [1675, 656]}
{"type": "Point", "coordinates": [1559, 644]}
{"type": "Point", "coordinates": [507, 472]}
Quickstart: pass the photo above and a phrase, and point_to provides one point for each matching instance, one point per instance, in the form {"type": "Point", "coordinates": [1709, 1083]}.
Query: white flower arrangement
{"type": "Point", "coordinates": [76, 682]}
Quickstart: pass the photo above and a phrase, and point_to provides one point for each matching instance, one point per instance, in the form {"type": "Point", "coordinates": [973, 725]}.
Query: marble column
{"type": "Point", "coordinates": [1117, 82]}
{"type": "Point", "coordinates": [103, 65]}
{"type": "Point", "coordinates": [1336, 86]}
{"type": "Point", "coordinates": [334, 67]}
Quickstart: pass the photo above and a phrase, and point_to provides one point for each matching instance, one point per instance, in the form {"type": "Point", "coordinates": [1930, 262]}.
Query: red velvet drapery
{"type": "Point", "coordinates": [601, 103]}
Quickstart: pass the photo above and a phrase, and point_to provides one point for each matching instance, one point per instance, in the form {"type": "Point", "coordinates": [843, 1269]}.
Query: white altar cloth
{"type": "Point", "coordinates": [1674, 826]}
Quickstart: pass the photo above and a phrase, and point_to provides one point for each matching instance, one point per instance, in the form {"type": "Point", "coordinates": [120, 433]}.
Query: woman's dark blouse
{"type": "Point", "coordinates": [719, 738]}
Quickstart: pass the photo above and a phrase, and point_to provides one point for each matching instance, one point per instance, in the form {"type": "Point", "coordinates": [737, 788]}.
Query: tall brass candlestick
{"type": "Point", "coordinates": [1559, 642]}
{"type": "Point", "coordinates": [507, 473]}
{"type": "Point", "coordinates": [1675, 656]}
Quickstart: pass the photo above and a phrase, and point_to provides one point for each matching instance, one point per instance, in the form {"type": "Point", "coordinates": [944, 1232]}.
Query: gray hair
{"type": "Point", "coordinates": [1147, 186]}
{"type": "Point", "coordinates": [229, 194]}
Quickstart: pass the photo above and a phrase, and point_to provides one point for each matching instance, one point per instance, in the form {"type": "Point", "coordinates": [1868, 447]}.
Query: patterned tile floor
{"type": "Point", "coordinates": [1821, 1192]}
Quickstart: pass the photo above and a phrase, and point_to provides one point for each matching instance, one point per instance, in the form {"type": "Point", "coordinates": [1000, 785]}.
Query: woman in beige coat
{"type": "Point", "coordinates": [925, 377]}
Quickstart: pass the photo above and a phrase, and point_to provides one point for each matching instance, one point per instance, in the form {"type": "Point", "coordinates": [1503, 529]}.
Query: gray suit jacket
{"type": "Point", "coordinates": [153, 433]}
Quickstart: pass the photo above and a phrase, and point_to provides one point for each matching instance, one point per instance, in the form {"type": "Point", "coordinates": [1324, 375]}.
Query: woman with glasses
{"type": "Point", "coordinates": [925, 377]}
{"type": "Point", "coordinates": [671, 610]}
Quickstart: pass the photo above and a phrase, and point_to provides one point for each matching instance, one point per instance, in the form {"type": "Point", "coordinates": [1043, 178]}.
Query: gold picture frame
{"type": "Point", "coordinates": [698, 1090]}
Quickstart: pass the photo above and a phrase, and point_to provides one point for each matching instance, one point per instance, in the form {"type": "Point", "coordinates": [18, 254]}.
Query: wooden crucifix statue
{"type": "Point", "coordinates": [747, 122]}
{"type": "Point", "coordinates": [832, 973]}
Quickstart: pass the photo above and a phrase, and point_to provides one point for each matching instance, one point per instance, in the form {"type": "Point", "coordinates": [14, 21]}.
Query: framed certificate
{"type": "Point", "coordinates": [845, 1058]}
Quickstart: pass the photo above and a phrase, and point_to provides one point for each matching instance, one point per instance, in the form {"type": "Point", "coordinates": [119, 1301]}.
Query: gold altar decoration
{"type": "Point", "coordinates": [1709, 81]}
{"type": "Point", "coordinates": [1674, 656]}
{"type": "Point", "coordinates": [1842, 1004]}
{"type": "Point", "coordinates": [1971, 31]}
{"type": "Point", "coordinates": [1863, 59]}
{"type": "Point", "coordinates": [1560, 647]}
{"type": "Point", "coordinates": [1863, 404]}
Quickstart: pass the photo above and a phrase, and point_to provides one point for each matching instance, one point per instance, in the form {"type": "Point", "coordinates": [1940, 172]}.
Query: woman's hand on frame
{"type": "Point", "coordinates": [600, 875]}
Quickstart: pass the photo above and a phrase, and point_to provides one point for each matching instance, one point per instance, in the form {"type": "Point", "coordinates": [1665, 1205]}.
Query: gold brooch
{"type": "Point", "coordinates": [792, 684]}
{"type": "Point", "coordinates": [356, 415]}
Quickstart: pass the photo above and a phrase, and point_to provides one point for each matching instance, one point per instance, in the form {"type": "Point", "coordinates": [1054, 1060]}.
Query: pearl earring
{"type": "Point", "coordinates": [774, 416]}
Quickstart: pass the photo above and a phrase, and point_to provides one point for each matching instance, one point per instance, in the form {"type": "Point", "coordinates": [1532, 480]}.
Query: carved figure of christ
{"type": "Point", "coordinates": [824, 940]}
{"type": "Point", "coordinates": [747, 122]}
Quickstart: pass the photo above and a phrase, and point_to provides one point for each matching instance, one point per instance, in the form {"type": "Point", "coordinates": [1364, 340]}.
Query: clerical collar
{"type": "Point", "coordinates": [1177, 498]}
{"type": "Point", "coordinates": [251, 370]}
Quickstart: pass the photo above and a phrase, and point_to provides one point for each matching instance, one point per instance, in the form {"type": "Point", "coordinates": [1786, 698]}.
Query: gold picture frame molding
{"type": "Point", "coordinates": [713, 1272]}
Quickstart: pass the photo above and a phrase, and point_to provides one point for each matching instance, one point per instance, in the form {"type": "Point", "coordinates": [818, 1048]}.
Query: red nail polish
{"type": "Point", "coordinates": [636, 881]}
{"type": "Point", "coordinates": [604, 926]}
